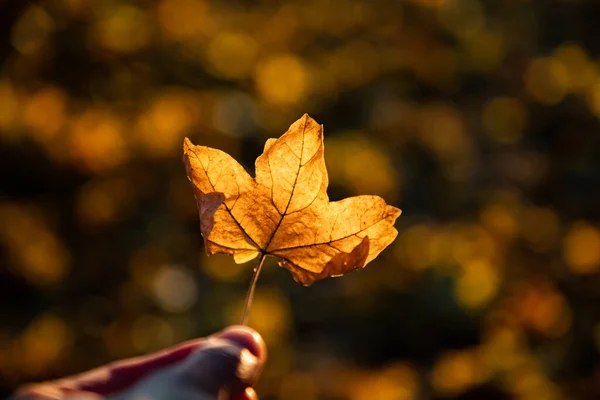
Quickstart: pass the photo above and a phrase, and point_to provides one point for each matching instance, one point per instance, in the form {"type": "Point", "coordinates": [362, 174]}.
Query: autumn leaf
{"type": "Point", "coordinates": [285, 211]}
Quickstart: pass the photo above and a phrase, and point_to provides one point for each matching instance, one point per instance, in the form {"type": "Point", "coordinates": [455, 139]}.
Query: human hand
{"type": "Point", "coordinates": [221, 366]}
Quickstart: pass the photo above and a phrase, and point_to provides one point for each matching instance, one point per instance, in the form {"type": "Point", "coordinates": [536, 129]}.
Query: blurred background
{"type": "Point", "coordinates": [479, 119]}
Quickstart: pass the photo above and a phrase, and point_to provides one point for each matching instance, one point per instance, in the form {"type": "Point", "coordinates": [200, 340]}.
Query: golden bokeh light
{"type": "Point", "coordinates": [171, 115]}
{"type": "Point", "coordinates": [504, 119]}
{"type": "Point", "coordinates": [174, 288]}
{"type": "Point", "coordinates": [96, 142]}
{"type": "Point", "coordinates": [31, 32]}
{"type": "Point", "coordinates": [422, 246]}
{"type": "Point", "coordinates": [457, 371]}
{"type": "Point", "coordinates": [121, 28]}
{"type": "Point", "coordinates": [45, 113]}
{"type": "Point", "coordinates": [581, 248]}
{"type": "Point", "coordinates": [546, 80]}
{"type": "Point", "coordinates": [473, 242]}
{"type": "Point", "coordinates": [442, 130]}
{"type": "Point", "coordinates": [527, 380]}
{"type": "Point", "coordinates": [184, 19]}
{"type": "Point", "coordinates": [9, 109]}
{"type": "Point", "coordinates": [580, 69]}
{"type": "Point", "coordinates": [486, 50]}
{"type": "Point", "coordinates": [502, 346]}
{"type": "Point", "coordinates": [232, 54]}
{"type": "Point", "coordinates": [283, 79]}
{"type": "Point", "coordinates": [477, 283]}
{"type": "Point", "coordinates": [346, 160]}
{"type": "Point", "coordinates": [462, 17]}
{"type": "Point", "coordinates": [102, 202]}
{"type": "Point", "coordinates": [37, 252]}
{"type": "Point", "coordinates": [501, 219]}
{"type": "Point", "coordinates": [43, 344]}
{"type": "Point", "coordinates": [543, 309]}
{"type": "Point", "coordinates": [399, 381]}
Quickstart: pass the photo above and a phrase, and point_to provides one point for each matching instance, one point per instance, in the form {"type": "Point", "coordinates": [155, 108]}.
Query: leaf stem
{"type": "Point", "coordinates": [250, 294]}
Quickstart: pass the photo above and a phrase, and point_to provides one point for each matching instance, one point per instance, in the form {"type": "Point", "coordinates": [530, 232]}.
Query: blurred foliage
{"type": "Point", "coordinates": [478, 118]}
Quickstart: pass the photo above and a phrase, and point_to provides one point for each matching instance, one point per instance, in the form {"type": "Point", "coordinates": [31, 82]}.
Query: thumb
{"type": "Point", "coordinates": [231, 360]}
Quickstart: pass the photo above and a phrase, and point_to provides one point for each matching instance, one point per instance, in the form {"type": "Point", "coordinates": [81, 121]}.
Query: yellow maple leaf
{"type": "Point", "coordinates": [285, 211]}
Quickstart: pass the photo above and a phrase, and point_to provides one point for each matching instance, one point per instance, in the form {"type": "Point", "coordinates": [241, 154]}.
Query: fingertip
{"type": "Point", "coordinates": [247, 338]}
{"type": "Point", "coordinates": [248, 394]}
